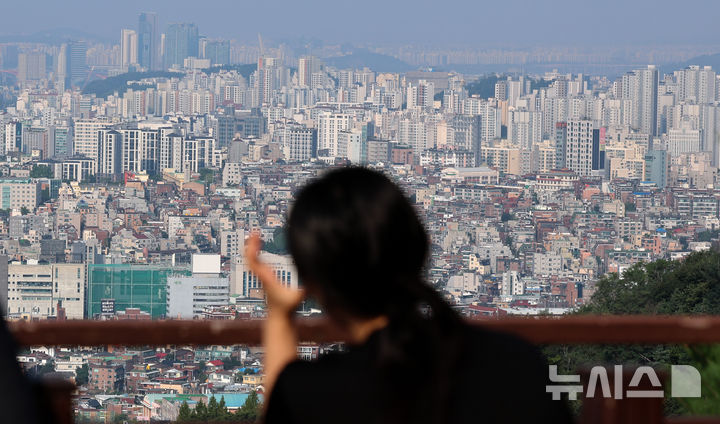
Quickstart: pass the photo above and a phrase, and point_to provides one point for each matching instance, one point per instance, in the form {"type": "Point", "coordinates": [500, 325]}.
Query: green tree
{"type": "Point", "coordinates": [222, 407]}
{"type": "Point", "coordinates": [41, 171]}
{"type": "Point", "coordinates": [213, 409]}
{"type": "Point", "coordinates": [120, 418]}
{"type": "Point", "coordinates": [630, 207]}
{"type": "Point", "coordinates": [688, 287]}
{"type": "Point", "coordinates": [82, 375]}
{"type": "Point", "coordinates": [200, 374]}
{"type": "Point", "coordinates": [24, 210]}
{"type": "Point", "coordinates": [48, 367]}
{"type": "Point", "coordinates": [708, 235]}
{"type": "Point", "coordinates": [278, 245]}
{"type": "Point", "coordinates": [251, 409]}
{"type": "Point", "coordinates": [483, 86]}
{"type": "Point", "coordinates": [184, 413]}
{"type": "Point", "coordinates": [201, 412]}
{"type": "Point", "coordinates": [207, 175]}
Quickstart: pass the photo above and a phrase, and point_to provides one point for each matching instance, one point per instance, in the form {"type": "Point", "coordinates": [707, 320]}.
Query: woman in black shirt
{"type": "Point", "coordinates": [360, 249]}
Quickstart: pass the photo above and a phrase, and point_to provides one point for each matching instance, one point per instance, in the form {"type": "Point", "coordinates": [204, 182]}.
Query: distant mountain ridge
{"type": "Point", "coordinates": [54, 36]}
{"type": "Point", "coordinates": [703, 60]}
{"type": "Point", "coordinates": [361, 58]}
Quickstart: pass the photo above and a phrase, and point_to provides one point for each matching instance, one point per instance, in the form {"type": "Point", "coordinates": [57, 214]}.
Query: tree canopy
{"type": "Point", "coordinates": [41, 171]}
{"type": "Point", "coordinates": [216, 411]}
{"type": "Point", "coordinates": [82, 375]}
{"type": "Point", "coordinates": [119, 83]}
{"type": "Point", "coordinates": [688, 287]}
{"type": "Point", "coordinates": [278, 245]}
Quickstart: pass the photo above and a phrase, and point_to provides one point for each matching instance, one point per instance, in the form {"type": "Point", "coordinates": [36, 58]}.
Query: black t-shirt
{"type": "Point", "coordinates": [497, 378]}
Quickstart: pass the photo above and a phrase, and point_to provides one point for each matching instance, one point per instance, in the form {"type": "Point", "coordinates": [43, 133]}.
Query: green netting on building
{"type": "Point", "coordinates": [129, 286]}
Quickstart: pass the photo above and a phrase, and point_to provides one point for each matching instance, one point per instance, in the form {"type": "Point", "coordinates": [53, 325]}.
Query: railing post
{"type": "Point", "coordinates": [619, 408]}
{"type": "Point", "coordinates": [55, 400]}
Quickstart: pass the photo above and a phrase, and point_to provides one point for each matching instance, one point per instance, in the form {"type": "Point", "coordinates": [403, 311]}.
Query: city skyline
{"type": "Point", "coordinates": [546, 148]}
{"type": "Point", "coordinates": [513, 24]}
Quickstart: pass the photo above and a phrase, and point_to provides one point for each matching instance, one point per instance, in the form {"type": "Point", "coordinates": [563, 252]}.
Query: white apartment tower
{"type": "Point", "coordinates": [329, 126]}
{"type": "Point", "coordinates": [85, 136]}
{"type": "Point", "coordinates": [578, 148]}
{"type": "Point", "coordinates": [696, 85]}
{"type": "Point", "coordinates": [128, 48]}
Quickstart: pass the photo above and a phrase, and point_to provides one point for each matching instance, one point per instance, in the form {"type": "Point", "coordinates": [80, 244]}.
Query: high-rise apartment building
{"type": "Point", "coordinates": [297, 141]}
{"type": "Point", "coordinates": [181, 42]}
{"type": "Point", "coordinates": [128, 48]}
{"type": "Point", "coordinates": [579, 147]}
{"type": "Point", "coordinates": [109, 152]}
{"type": "Point", "coordinates": [148, 41]}
{"type": "Point", "coordinates": [307, 65]}
{"type": "Point", "coordinates": [466, 134]}
{"type": "Point", "coordinates": [641, 86]}
{"type": "Point", "coordinates": [329, 125]}
{"type": "Point", "coordinates": [657, 164]}
{"type": "Point", "coordinates": [77, 63]}
{"type": "Point", "coordinates": [85, 136]}
{"type": "Point", "coordinates": [13, 137]}
{"type": "Point", "coordinates": [218, 51]}
{"type": "Point", "coordinates": [31, 66]}
{"type": "Point", "coordinates": [140, 150]}
{"type": "Point", "coordinates": [696, 85]}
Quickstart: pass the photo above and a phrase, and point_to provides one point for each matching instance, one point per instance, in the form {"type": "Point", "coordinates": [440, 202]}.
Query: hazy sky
{"type": "Point", "coordinates": [502, 22]}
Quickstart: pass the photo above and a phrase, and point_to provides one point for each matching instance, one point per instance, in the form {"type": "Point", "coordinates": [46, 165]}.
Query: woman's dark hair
{"type": "Point", "coordinates": [360, 248]}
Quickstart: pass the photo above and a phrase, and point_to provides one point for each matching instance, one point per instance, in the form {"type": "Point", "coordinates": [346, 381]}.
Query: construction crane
{"type": "Point", "coordinates": [89, 75]}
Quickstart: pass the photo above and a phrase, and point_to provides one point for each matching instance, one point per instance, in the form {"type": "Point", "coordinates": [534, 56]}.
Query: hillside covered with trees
{"type": "Point", "coordinates": [687, 287]}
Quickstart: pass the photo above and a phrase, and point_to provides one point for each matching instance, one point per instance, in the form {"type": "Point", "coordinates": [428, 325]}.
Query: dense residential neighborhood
{"type": "Point", "coordinates": [130, 197]}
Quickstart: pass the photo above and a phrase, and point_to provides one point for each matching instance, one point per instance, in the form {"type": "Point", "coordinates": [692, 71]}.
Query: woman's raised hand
{"type": "Point", "coordinates": [280, 299]}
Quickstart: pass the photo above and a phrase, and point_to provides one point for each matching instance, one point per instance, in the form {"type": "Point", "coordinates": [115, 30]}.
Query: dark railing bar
{"type": "Point", "coordinates": [545, 330]}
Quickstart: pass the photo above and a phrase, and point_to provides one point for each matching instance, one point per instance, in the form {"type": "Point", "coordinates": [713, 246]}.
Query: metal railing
{"type": "Point", "coordinates": [538, 330]}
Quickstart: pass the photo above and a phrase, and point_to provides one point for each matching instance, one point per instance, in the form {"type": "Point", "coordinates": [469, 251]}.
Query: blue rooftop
{"type": "Point", "coordinates": [232, 400]}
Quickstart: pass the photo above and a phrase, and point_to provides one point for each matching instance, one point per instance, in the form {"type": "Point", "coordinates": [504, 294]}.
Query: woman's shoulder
{"type": "Point", "coordinates": [329, 364]}
{"type": "Point", "coordinates": [483, 346]}
{"type": "Point", "coordinates": [476, 333]}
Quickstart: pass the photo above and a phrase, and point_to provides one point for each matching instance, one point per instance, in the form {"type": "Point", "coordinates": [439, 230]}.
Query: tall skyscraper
{"type": "Point", "coordinates": [579, 147]}
{"type": "Point", "coordinates": [85, 137]}
{"type": "Point", "coordinates": [329, 125]}
{"type": "Point", "coordinates": [77, 60]}
{"type": "Point", "coordinates": [128, 48]}
{"type": "Point", "coordinates": [696, 84]}
{"type": "Point", "coordinates": [148, 41]}
{"type": "Point", "coordinates": [466, 134]}
{"type": "Point", "coordinates": [109, 152]}
{"type": "Point", "coordinates": [62, 69]}
{"type": "Point", "coordinates": [267, 79]}
{"type": "Point", "coordinates": [598, 149]}
{"type": "Point", "coordinates": [13, 137]}
{"type": "Point", "coordinates": [307, 65]}
{"type": "Point", "coordinates": [31, 66]}
{"type": "Point", "coordinates": [657, 163]}
{"type": "Point", "coordinates": [181, 42]}
{"type": "Point", "coordinates": [218, 51]}
{"type": "Point", "coordinates": [643, 91]}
